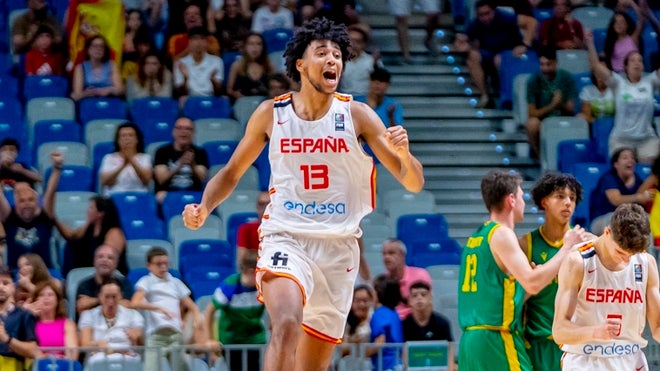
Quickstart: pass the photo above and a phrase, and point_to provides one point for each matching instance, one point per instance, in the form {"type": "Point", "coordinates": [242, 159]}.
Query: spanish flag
{"type": "Point", "coordinates": [88, 18]}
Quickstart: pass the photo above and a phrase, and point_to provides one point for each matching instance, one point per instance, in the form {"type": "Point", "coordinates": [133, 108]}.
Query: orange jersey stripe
{"type": "Point", "coordinates": [279, 274]}
{"type": "Point", "coordinates": [319, 335]}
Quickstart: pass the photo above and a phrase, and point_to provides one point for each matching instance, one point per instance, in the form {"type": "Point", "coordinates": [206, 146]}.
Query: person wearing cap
{"type": "Point", "coordinates": [18, 340]}
{"type": "Point", "coordinates": [198, 73]}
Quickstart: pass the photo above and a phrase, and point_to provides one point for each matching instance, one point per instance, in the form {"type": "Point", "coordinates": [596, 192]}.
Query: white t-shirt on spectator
{"type": "Point", "coordinates": [165, 293]}
{"type": "Point", "coordinates": [127, 180]}
{"type": "Point", "coordinates": [200, 74]}
{"type": "Point", "coordinates": [115, 336]}
{"type": "Point", "coordinates": [263, 19]}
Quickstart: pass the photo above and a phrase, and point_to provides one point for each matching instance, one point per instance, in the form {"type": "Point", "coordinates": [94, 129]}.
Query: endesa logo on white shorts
{"type": "Point", "coordinates": [610, 350]}
{"type": "Point", "coordinates": [315, 208]}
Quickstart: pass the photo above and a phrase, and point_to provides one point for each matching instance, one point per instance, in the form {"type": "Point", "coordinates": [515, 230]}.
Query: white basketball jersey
{"type": "Point", "coordinates": [322, 182]}
{"type": "Point", "coordinates": [604, 294]}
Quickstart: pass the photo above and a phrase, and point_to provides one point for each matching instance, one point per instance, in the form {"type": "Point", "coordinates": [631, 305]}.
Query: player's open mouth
{"type": "Point", "coordinates": [330, 75]}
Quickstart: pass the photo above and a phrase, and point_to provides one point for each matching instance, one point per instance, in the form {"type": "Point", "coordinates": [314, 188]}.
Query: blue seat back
{"type": "Point", "coordinates": [207, 107]}
{"type": "Point", "coordinates": [45, 86]}
{"type": "Point", "coordinates": [101, 108]}
{"type": "Point", "coordinates": [588, 174]}
{"type": "Point", "coordinates": [511, 67]}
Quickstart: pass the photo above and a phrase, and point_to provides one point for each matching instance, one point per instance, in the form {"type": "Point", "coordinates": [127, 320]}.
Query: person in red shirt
{"type": "Point", "coordinates": [43, 59]}
{"type": "Point", "coordinates": [562, 31]}
{"type": "Point", "coordinates": [247, 235]}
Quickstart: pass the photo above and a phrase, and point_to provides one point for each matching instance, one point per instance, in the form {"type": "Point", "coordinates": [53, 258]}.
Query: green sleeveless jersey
{"type": "Point", "coordinates": [540, 308]}
{"type": "Point", "coordinates": [487, 297]}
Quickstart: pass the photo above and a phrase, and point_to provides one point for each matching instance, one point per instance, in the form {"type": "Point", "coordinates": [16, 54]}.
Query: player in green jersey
{"type": "Point", "coordinates": [494, 276]}
{"type": "Point", "coordinates": [557, 194]}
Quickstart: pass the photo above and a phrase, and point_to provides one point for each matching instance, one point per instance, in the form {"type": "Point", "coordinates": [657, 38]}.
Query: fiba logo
{"type": "Point", "coordinates": [280, 257]}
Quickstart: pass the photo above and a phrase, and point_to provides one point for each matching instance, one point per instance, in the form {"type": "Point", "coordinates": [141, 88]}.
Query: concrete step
{"type": "Point", "coordinates": [449, 135]}
{"type": "Point", "coordinates": [433, 102]}
{"type": "Point", "coordinates": [427, 69]}
{"type": "Point", "coordinates": [456, 112]}
{"type": "Point", "coordinates": [376, 14]}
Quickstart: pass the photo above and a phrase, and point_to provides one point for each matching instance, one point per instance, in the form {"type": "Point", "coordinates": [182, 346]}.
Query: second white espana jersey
{"type": "Point", "coordinates": [616, 294]}
{"type": "Point", "coordinates": [322, 182]}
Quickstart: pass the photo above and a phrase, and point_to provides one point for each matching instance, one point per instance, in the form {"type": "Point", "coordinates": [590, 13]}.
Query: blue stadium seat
{"type": "Point", "coordinates": [45, 86]}
{"type": "Point", "coordinates": [56, 364]}
{"type": "Point", "coordinates": [55, 131]}
{"type": "Point", "coordinates": [210, 252]}
{"type": "Point", "coordinates": [175, 201]}
{"type": "Point", "coordinates": [12, 123]}
{"type": "Point", "coordinates": [135, 205]}
{"type": "Point", "coordinates": [263, 166]}
{"type": "Point", "coordinates": [235, 221]}
{"type": "Point", "coordinates": [228, 58]}
{"type": "Point", "coordinates": [599, 39]}
{"type": "Point", "coordinates": [643, 170]}
{"type": "Point", "coordinates": [9, 87]}
{"type": "Point", "coordinates": [573, 151]}
{"type": "Point", "coordinates": [139, 228]}
{"type": "Point", "coordinates": [277, 38]}
{"type": "Point", "coordinates": [541, 14]}
{"type": "Point", "coordinates": [600, 136]}
{"type": "Point", "coordinates": [587, 173]}
{"type": "Point", "coordinates": [206, 285]}
{"type": "Point", "coordinates": [440, 258]}
{"type": "Point", "coordinates": [438, 252]}
{"type": "Point", "coordinates": [650, 46]}
{"type": "Point", "coordinates": [511, 67]}
{"type": "Point", "coordinates": [73, 178]}
{"type": "Point", "coordinates": [412, 228]}
{"type": "Point", "coordinates": [101, 108]}
{"type": "Point", "coordinates": [220, 151]}
{"type": "Point", "coordinates": [156, 117]}
{"type": "Point", "coordinates": [207, 107]}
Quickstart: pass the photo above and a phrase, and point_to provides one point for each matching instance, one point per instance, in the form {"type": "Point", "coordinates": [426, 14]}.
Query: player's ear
{"type": "Point", "coordinates": [299, 64]}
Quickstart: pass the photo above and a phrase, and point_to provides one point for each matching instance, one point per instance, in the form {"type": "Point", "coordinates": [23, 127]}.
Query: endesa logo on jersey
{"type": "Point", "coordinates": [328, 144]}
{"type": "Point", "coordinates": [610, 350]}
{"type": "Point", "coordinates": [316, 208]}
{"type": "Point", "coordinates": [627, 296]}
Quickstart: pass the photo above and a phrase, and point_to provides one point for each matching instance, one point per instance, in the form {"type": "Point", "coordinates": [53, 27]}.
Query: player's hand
{"type": "Point", "coordinates": [609, 330]}
{"type": "Point", "coordinates": [575, 236]}
{"type": "Point", "coordinates": [194, 215]}
{"type": "Point", "coordinates": [397, 138]}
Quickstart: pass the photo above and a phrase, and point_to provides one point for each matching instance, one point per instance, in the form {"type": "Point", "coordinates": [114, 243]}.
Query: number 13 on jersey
{"type": "Point", "coordinates": [469, 282]}
{"type": "Point", "coordinates": [315, 176]}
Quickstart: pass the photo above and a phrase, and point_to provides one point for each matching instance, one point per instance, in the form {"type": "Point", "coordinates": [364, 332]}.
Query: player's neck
{"type": "Point", "coordinates": [554, 231]}
{"type": "Point", "coordinates": [310, 104]}
{"type": "Point", "coordinates": [504, 217]}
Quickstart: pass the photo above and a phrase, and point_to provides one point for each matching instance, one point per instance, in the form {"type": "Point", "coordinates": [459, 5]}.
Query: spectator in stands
{"type": "Point", "coordinates": [180, 165]}
{"type": "Point", "coordinates": [597, 100]}
{"type": "Point", "coordinates": [177, 14]}
{"type": "Point", "coordinates": [355, 78]}
{"type": "Point", "coordinates": [248, 75]}
{"type": "Point", "coordinates": [241, 314]}
{"type": "Point", "coordinates": [247, 235]}
{"type": "Point", "coordinates": [394, 258]}
{"type": "Point", "coordinates": [620, 185]}
{"type": "Point", "coordinates": [179, 44]}
{"type": "Point", "coordinates": [111, 325]}
{"type": "Point", "coordinates": [162, 297]}
{"type": "Point", "coordinates": [278, 84]}
{"type": "Point", "coordinates": [157, 17]}
{"type": "Point", "coordinates": [388, 109]}
{"type": "Point", "coordinates": [32, 271]}
{"type": "Point", "coordinates": [557, 195]}
{"type": "Point", "coordinates": [152, 79]}
{"type": "Point", "coordinates": [423, 323]}
{"type": "Point", "coordinates": [385, 324]}
{"type": "Point", "coordinates": [561, 31]}
{"type": "Point", "coordinates": [198, 73]}
{"type": "Point", "coordinates": [12, 172]}
{"type": "Point", "coordinates": [128, 168]}
{"type": "Point", "coordinates": [485, 38]}
{"type": "Point", "coordinates": [97, 76]}
{"type": "Point", "coordinates": [623, 37]}
{"type": "Point", "coordinates": [43, 58]}
{"type": "Point", "coordinates": [357, 329]}
{"type": "Point", "coordinates": [24, 27]}
{"type": "Point", "coordinates": [18, 340]}
{"type": "Point", "coordinates": [550, 92]}
{"type": "Point", "coordinates": [230, 23]}
{"type": "Point", "coordinates": [28, 226]}
{"type": "Point", "coordinates": [134, 27]}
{"type": "Point", "coordinates": [635, 104]}
{"type": "Point", "coordinates": [400, 9]}
{"type": "Point", "coordinates": [144, 45]}
{"type": "Point", "coordinates": [524, 10]}
{"type": "Point", "coordinates": [102, 227]}
{"type": "Point", "coordinates": [105, 264]}
{"type": "Point", "coordinates": [271, 15]}
{"type": "Point", "coordinates": [53, 328]}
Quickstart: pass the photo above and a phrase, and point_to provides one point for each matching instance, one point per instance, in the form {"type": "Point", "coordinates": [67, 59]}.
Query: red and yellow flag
{"type": "Point", "coordinates": [88, 18]}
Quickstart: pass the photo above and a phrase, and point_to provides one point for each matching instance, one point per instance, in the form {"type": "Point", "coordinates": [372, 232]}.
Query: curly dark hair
{"type": "Point", "coordinates": [315, 29]}
{"type": "Point", "coordinates": [554, 181]}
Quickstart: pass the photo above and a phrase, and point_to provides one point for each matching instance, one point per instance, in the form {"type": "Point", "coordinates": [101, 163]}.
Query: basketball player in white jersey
{"type": "Point", "coordinates": [607, 290]}
{"type": "Point", "coordinates": [322, 184]}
